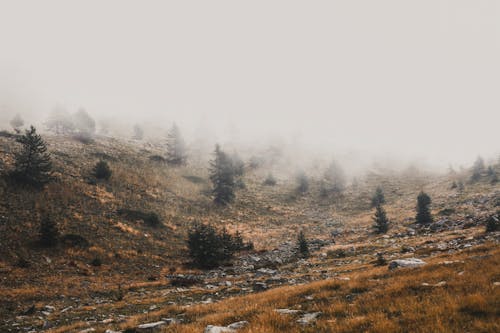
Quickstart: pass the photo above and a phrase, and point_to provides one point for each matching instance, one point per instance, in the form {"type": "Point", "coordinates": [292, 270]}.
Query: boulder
{"type": "Point", "coordinates": [410, 262]}
{"type": "Point", "coordinates": [151, 327]}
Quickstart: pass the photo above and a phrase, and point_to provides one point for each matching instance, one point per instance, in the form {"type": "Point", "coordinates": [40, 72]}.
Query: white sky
{"type": "Point", "coordinates": [403, 77]}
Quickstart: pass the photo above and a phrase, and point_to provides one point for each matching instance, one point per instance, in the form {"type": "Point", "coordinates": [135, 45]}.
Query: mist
{"type": "Point", "coordinates": [401, 81]}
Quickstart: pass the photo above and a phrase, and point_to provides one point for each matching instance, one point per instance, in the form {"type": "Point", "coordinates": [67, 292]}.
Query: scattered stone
{"type": "Point", "coordinates": [439, 284]}
{"type": "Point", "coordinates": [88, 330]}
{"type": "Point", "coordinates": [287, 311]}
{"type": "Point", "coordinates": [260, 286]}
{"type": "Point", "coordinates": [308, 318]}
{"type": "Point", "coordinates": [151, 327]}
{"type": "Point", "coordinates": [238, 325]}
{"type": "Point", "coordinates": [410, 262]}
{"type": "Point", "coordinates": [49, 308]}
{"type": "Point", "coordinates": [66, 309]}
{"type": "Point", "coordinates": [218, 329]}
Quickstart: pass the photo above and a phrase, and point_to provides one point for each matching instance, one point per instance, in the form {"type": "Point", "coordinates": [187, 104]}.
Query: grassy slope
{"type": "Point", "coordinates": [133, 254]}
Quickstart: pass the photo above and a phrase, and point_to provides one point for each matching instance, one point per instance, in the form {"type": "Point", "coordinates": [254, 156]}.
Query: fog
{"type": "Point", "coordinates": [408, 80]}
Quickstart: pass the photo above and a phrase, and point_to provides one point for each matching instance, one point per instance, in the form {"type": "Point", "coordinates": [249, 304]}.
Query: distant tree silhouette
{"type": "Point", "coordinates": [138, 132]}
{"type": "Point", "coordinates": [222, 177]}
{"type": "Point", "coordinates": [17, 122]}
{"type": "Point", "coordinates": [102, 170]}
{"type": "Point", "coordinates": [60, 122]}
{"type": "Point", "coordinates": [302, 182]}
{"type": "Point", "coordinates": [176, 148]}
{"type": "Point", "coordinates": [477, 169]}
{"type": "Point", "coordinates": [333, 180]}
{"type": "Point", "coordinates": [270, 180]}
{"type": "Point", "coordinates": [32, 163]}
{"type": "Point", "coordinates": [380, 218]}
{"type": "Point", "coordinates": [378, 197]}
{"type": "Point", "coordinates": [423, 210]}
{"type": "Point", "coordinates": [84, 123]}
{"type": "Point", "coordinates": [49, 232]}
{"type": "Point", "coordinates": [239, 170]}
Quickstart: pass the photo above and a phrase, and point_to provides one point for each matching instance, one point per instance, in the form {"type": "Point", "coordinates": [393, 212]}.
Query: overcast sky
{"type": "Point", "coordinates": [388, 76]}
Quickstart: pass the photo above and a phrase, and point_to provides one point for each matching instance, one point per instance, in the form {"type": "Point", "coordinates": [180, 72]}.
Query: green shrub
{"type": "Point", "coordinates": [209, 248]}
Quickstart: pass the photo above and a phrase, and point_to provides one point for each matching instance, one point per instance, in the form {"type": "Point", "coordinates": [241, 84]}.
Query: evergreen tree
{"type": "Point", "coordinates": [222, 177]}
{"type": "Point", "coordinates": [84, 123]}
{"type": "Point", "coordinates": [423, 211]}
{"type": "Point", "coordinates": [270, 180]}
{"type": "Point", "coordinates": [32, 162]}
{"type": "Point", "coordinates": [138, 132]}
{"type": "Point", "coordinates": [49, 232]}
{"type": "Point", "coordinates": [102, 170]}
{"type": "Point", "coordinates": [460, 186]}
{"type": "Point", "coordinates": [176, 148]}
{"type": "Point", "coordinates": [17, 122]}
{"type": "Point", "coordinates": [60, 122]}
{"type": "Point", "coordinates": [333, 180]}
{"type": "Point", "coordinates": [492, 175]}
{"type": "Point", "coordinates": [209, 248]}
{"type": "Point", "coordinates": [378, 197]}
{"type": "Point", "coordinates": [239, 170]}
{"type": "Point", "coordinates": [302, 182]}
{"type": "Point", "coordinates": [477, 169]}
{"type": "Point", "coordinates": [381, 222]}
{"type": "Point", "coordinates": [303, 245]}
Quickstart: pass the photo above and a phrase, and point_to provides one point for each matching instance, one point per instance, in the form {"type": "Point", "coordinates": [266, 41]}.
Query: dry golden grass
{"type": "Point", "coordinates": [376, 300]}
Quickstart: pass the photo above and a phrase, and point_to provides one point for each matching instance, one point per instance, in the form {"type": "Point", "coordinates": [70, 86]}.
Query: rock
{"type": "Point", "coordinates": [260, 286]}
{"type": "Point", "coordinates": [225, 329]}
{"type": "Point", "coordinates": [308, 318]}
{"type": "Point", "coordinates": [238, 325]}
{"type": "Point", "coordinates": [218, 329]}
{"type": "Point", "coordinates": [151, 327]}
{"type": "Point", "coordinates": [66, 309]}
{"type": "Point", "coordinates": [49, 308]}
{"type": "Point", "coordinates": [439, 284]}
{"type": "Point", "coordinates": [171, 321]}
{"type": "Point", "coordinates": [287, 311]}
{"type": "Point", "coordinates": [88, 330]}
{"type": "Point", "coordinates": [265, 271]}
{"type": "Point", "coordinates": [410, 262]}
{"type": "Point", "coordinates": [111, 331]}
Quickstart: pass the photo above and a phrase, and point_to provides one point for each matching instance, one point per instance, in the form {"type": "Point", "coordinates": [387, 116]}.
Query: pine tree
{"type": "Point", "coordinates": [381, 222]}
{"type": "Point", "coordinates": [32, 162]}
{"type": "Point", "coordinates": [49, 232]}
{"type": "Point", "coordinates": [333, 180]}
{"type": "Point", "coordinates": [138, 133]}
{"type": "Point", "coordinates": [84, 123]}
{"type": "Point", "coordinates": [222, 177]}
{"type": "Point", "coordinates": [17, 122]}
{"type": "Point", "coordinates": [102, 170]}
{"type": "Point", "coordinates": [378, 197]}
{"type": "Point", "coordinates": [477, 169]}
{"type": "Point", "coordinates": [302, 182]}
{"type": "Point", "coordinates": [423, 211]}
{"type": "Point", "coordinates": [176, 148]}
{"type": "Point", "coordinates": [303, 245]}
{"type": "Point", "coordinates": [60, 122]}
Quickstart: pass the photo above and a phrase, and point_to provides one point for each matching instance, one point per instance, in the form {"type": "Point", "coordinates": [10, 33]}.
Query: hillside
{"type": "Point", "coordinates": [113, 271]}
